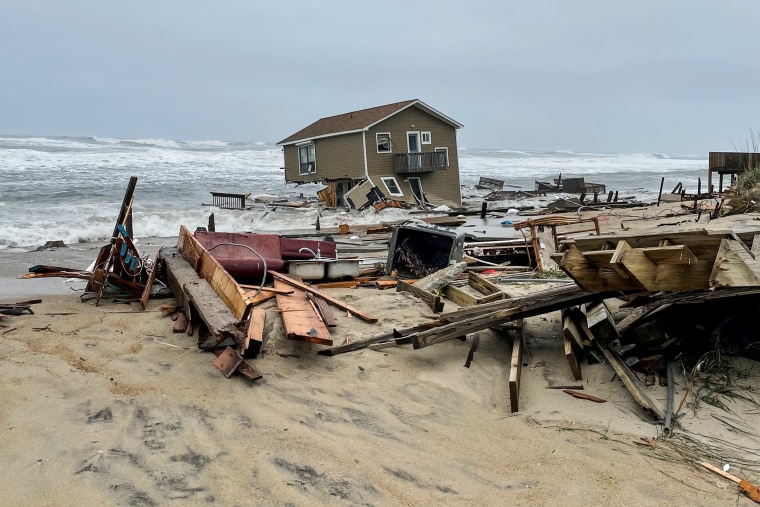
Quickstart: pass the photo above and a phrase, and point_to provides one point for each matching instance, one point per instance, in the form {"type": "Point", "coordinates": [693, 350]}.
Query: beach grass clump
{"type": "Point", "coordinates": [746, 196]}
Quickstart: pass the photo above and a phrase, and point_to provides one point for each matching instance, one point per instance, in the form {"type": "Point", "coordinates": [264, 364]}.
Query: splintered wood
{"type": "Point", "coordinates": [300, 320]}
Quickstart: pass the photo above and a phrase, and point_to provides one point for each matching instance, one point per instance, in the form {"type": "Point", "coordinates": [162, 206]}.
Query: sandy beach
{"type": "Point", "coordinates": [106, 405]}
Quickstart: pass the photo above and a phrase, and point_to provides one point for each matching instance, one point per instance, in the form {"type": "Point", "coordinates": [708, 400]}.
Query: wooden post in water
{"type": "Point", "coordinates": [483, 209]}
{"type": "Point", "coordinates": [699, 186]}
{"type": "Point", "coordinates": [211, 223]}
{"type": "Point", "coordinates": [659, 196]}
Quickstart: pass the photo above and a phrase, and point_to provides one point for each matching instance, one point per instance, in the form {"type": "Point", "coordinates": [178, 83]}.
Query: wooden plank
{"type": "Point", "coordinates": [323, 309]}
{"type": "Point", "coordinates": [584, 396]}
{"type": "Point", "coordinates": [630, 380]}
{"type": "Point", "coordinates": [213, 312]}
{"type": "Point", "coordinates": [665, 277]}
{"type": "Point", "coordinates": [257, 288]}
{"type": "Point", "coordinates": [575, 367]}
{"type": "Point", "coordinates": [149, 285]}
{"type": "Point", "coordinates": [464, 327]}
{"type": "Point", "coordinates": [210, 270]}
{"type": "Point", "coordinates": [335, 302]}
{"type": "Point", "coordinates": [734, 266]}
{"type": "Point", "coordinates": [485, 286]}
{"type": "Point", "coordinates": [433, 301]}
{"type": "Point", "coordinates": [755, 250]}
{"type": "Point", "coordinates": [299, 318]}
{"type": "Point", "coordinates": [599, 256]}
{"type": "Point", "coordinates": [255, 335]}
{"type": "Point", "coordinates": [244, 369]}
{"type": "Point", "coordinates": [228, 361]}
{"type": "Point", "coordinates": [570, 328]}
{"type": "Point", "coordinates": [180, 323]}
{"type": "Point", "coordinates": [674, 254]}
{"type": "Point", "coordinates": [178, 272]}
{"type": "Point", "coordinates": [515, 370]}
{"type": "Point", "coordinates": [458, 296]}
{"type": "Point", "coordinates": [593, 277]}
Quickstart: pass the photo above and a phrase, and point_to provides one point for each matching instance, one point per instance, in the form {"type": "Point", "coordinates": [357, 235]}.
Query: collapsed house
{"type": "Point", "coordinates": [405, 152]}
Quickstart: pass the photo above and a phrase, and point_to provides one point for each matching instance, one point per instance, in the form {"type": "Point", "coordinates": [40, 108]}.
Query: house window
{"type": "Point", "coordinates": [426, 139]}
{"type": "Point", "coordinates": [392, 186]}
{"type": "Point", "coordinates": [383, 142]}
{"type": "Point", "coordinates": [441, 157]}
{"type": "Point", "coordinates": [307, 161]}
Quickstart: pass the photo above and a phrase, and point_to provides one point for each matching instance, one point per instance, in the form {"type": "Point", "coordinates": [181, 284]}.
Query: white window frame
{"type": "Point", "coordinates": [391, 178]}
{"type": "Point", "coordinates": [377, 142]}
{"type": "Point", "coordinates": [445, 150]}
{"type": "Point", "coordinates": [313, 163]}
{"type": "Point", "coordinates": [426, 137]}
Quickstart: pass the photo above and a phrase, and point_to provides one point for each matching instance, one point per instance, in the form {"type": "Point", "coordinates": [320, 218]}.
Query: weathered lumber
{"type": "Point", "coordinates": [515, 370]}
{"type": "Point", "coordinates": [213, 312]}
{"type": "Point", "coordinates": [299, 318]}
{"type": "Point", "coordinates": [228, 361]}
{"type": "Point", "coordinates": [575, 367]}
{"type": "Point", "coordinates": [735, 266]}
{"type": "Point", "coordinates": [149, 285]}
{"type": "Point", "coordinates": [433, 301]}
{"type": "Point", "coordinates": [323, 309]}
{"type": "Point", "coordinates": [180, 323]}
{"type": "Point", "coordinates": [485, 286]}
{"type": "Point", "coordinates": [210, 270]}
{"type": "Point", "coordinates": [178, 272]}
{"type": "Point", "coordinates": [329, 299]}
{"type": "Point", "coordinates": [244, 368]}
{"type": "Point", "coordinates": [463, 327]}
{"type": "Point", "coordinates": [396, 336]}
{"type": "Point", "coordinates": [255, 335]}
{"type": "Point", "coordinates": [629, 378]}
{"type": "Point", "coordinates": [584, 396]}
{"type": "Point", "coordinates": [258, 288]}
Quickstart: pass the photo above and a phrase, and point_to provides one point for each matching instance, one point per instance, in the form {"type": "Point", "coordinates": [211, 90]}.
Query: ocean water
{"type": "Point", "coordinates": [71, 188]}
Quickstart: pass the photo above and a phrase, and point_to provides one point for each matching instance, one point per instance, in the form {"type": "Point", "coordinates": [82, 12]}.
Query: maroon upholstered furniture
{"type": "Point", "coordinates": [247, 256]}
{"type": "Point", "coordinates": [234, 252]}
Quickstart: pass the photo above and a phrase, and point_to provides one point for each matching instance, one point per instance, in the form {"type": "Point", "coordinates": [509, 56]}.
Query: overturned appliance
{"type": "Point", "coordinates": [419, 250]}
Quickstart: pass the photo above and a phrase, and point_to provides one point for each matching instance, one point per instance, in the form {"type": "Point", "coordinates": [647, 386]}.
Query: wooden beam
{"type": "Point", "coordinates": [433, 301]}
{"type": "Point", "coordinates": [335, 302]}
{"type": "Point", "coordinates": [244, 368]}
{"type": "Point", "coordinates": [255, 336]}
{"type": "Point", "coordinates": [675, 254]}
{"type": "Point", "coordinates": [178, 273]}
{"type": "Point", "coordinates": [593, 277]}
{"type": "Point", "coordinates": [734, 266]}
{"type": "Point", "coordinates": [515, 369]}
{"type": "Point", "coordinates": [485, 286]}
{"type": "Point", "coordinates": [458, 296]}
{"type": "Point", "coordinates": [299, 318]}
{"type": "Point", "coordinates": [575, 367]}
{"type": "Point", "coordinates": [323, 309]}
{"type": "Point", "coordinates": [656, 277]}
{"type": "Point", "coordinates": [210, 270]}
{"type": "Point", "coordinates": [149, 285]}
{"type": "Point", "coordinates": [464, 327]}
{"type": "Point", "coordinates": [629, 378]}
{"type": "Point", "coordinates": [213, 312]}
{"type": "Point", "coordinates": [570, 329]}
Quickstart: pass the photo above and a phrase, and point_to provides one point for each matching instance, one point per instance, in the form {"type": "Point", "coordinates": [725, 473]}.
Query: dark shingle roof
{"type": "Point", "coordinates": [353, 121]}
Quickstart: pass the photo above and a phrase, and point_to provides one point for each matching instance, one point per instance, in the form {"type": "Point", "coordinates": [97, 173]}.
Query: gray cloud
{"type": "Point", "coordinates": [675, 77]}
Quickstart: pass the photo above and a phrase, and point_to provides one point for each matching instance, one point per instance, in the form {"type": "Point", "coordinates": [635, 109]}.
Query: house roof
{"type": "Point", "coordinates": [357, 121]}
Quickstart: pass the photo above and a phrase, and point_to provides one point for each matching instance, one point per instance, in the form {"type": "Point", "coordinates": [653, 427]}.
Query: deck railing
{"type": "Point", "coordinates": [407, 163]}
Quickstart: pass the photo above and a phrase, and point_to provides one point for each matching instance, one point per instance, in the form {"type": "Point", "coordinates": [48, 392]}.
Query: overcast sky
{"type": "Point", "coordinates": [665, 76]}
